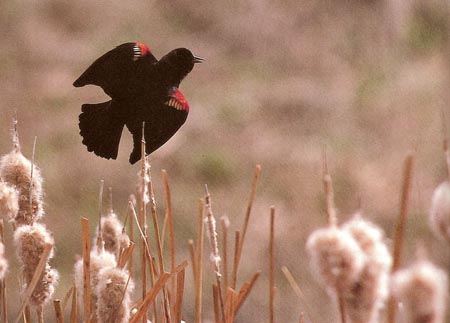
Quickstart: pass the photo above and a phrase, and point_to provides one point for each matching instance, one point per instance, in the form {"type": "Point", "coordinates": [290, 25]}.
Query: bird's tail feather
{"type": "Point", "coordinates": [100, 129]}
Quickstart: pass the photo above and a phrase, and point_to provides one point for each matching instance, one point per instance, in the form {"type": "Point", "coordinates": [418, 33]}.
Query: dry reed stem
{"type": "Point", "coordinates": [143, 220]}
{"type": "Point", "coordinates": [332, 221]}
{"type": "Point", "coordinates": [66, 298]}
{"type": "Point", "coordinates": [301, 319]}
{"type": "Point", "coordinates": [126, 256]}
{"type": "Point", "coordinates": [297, 290]}
{"type": "Point", "coordinates": [400, 229]}
{"type": "Point", "coordinates": [27, 314]}
{"type": "Point", "coordinates": [272, 265]}
{"type": "Point", "coordinates": [86, 242]}
{"type": "Point", "coordinates": [171, 232]}
{"type": "Point", "coordinates": [31, 176]}
{"type": "Point", "coordinates": [230, 305]}
{"type": "Point", "coordinates": [131, 235]}
{"type": "Point", "coordinates": [225, 223]}
{"type": "Point", "coordinates": [179, 295]}
{"type": "Point", "coordinates": [446, 143]}
{"type": "Point", "coordinates": [40, 313]}
{"type": "Point", "coordinates": [58, 311]}
{"type": "Point", "coordinates": [198, 276]}
{"type": "Point", "coordinates": [211, 225]}
{"type": "Point", "coordinates": [74, 307]}
{"type": "Point", "coordinates": [193, 260]}
{"type": "Point", "coordinates": [100, 244]}
{"type": "Point", "coordinates": [36, 277]}
{"type": "Point", "coordinates": [249, 211]}
{"type": "Point", "coordinates": [157, 232]}
{"type": "Point", "coordinates": [216, 304]}
{"type": "Point", "coordinates": [245, 291]}
{"type": "Point", "coordinates": [237, 236]}
{"type": "Point", "coordinates": [3, 294]}
{"type": "Point", "coordinates": [150, 297]}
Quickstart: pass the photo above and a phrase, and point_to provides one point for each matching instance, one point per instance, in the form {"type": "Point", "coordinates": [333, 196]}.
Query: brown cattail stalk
{"type": "Point", "coordinates": [245, 291]}
{"type": "Point", "coordinates": [215, 256]}
{"type": "Point", "coordinates": [150, 298]}
{"type": "Point", "coordinates": [86, 243]}
{"type": "Point", "coordinates": [271, 265]}
{"type": "Point", "coordinates": [400, 229]}
{"type": "Point", "coordinates": [237, 237]}
{"type": "Point", "coordinates": [199, 264]}
{"type": "Point", "coordinates": [74, 307]}
{"type": "Point", "coordinates": [225, 224]}
{"type": "Point", "coordinates": [216, 304]}
{"type": "Point", "coordinates": [193, 260]}
{"type": "Point", "coordinates": [171, 232]}
{"type": "Point", "coordinates": [166, 301]}
{"type": "Point", "coordinates": [179, 295]}
{"type": "Point", "coordinates": [249, 211]}
{"type": "Point", "coordinates": [296, 288]}
{"type": "Point", "coordinates": [58, 311]}
{"type": "Point", "coordinates": [100, 242]}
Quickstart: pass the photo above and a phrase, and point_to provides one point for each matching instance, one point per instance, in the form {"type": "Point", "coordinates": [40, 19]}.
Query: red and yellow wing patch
{"type": "Point", "coordinates": [140, 50]}
{"type": "Point", "coordinates": [177, 100]}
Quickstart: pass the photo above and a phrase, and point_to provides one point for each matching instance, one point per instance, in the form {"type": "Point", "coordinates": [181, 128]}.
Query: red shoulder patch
{"type": "Point", "coordinates": [140, 49]}
{"type": "Point", "coordinates": [177, 100]}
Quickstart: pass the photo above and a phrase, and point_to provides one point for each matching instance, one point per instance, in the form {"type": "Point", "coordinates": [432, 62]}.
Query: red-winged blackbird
{"type": "Point", "coordinates": [142, 89]}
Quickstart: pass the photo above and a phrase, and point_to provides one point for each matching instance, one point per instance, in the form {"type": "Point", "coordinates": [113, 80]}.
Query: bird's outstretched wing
{"type": "Point", "coordinates": [117, 71]}
{"type": "Point", "coordinates": [161, 124]}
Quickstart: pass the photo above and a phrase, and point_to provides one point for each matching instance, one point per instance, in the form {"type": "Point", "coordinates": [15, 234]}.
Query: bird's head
{"type": "Point", "coordinates": [179, 62]}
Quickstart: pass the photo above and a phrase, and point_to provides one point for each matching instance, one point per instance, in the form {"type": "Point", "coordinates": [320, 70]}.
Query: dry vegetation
{"type": "Point", "coordinates": [368, 79]}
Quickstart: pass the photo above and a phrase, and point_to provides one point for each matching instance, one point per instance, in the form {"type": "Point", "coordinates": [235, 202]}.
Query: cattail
{"type": "Point", "coordinates": [113, 236]}
{"type": "Point", "coordinates": [15, 170]}
{"type": "Point", "coordinates": [422, 290]}
{"type": "Point", "coordinates": [336, 256]}
{"type": "Point", "coordinates": [366, 296]}
{"type": "Point", "coordinates": [3, 261]}
{"type": "Point", "coordinates": [113, 292]}
{"type": "Point", "coordinates": [9, 202]}
{"type": "Point", "coordinates": [99, 260]}
{"type": "Point", "coordinates": [440, 210]}
{"type": "Point", "coordinates": [30, 241]}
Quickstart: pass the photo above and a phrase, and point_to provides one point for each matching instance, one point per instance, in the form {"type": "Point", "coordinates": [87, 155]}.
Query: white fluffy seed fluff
{"type": "Point", "coordinates": [113, 293]}
{"type": "Point", "coordinates": [336, 256]}
{"type": "Point", "coordinates": [440, 211]}
{"type": "Point", "coordinates": [98, 261]}
{"type": "Point", "coordinates": [113, 237]}
{"type": "Point", "coordinates": [367, 295]}
{"type": "Point", "coordinates": [15, 170]}
{"type": "Point", "coordinates": [30, 241]}
{"type": "Point", "coordinates": [422, 290]}
{"type": "Point", "coordinates": [3, 261]}
{"type": "Point", "coordinates": [9, 201]}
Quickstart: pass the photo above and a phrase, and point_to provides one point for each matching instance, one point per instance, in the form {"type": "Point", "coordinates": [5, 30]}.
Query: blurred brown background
{"type": "Point", "coordinates": [369, 80]}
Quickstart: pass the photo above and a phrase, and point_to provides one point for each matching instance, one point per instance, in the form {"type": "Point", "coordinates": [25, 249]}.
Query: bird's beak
{"type": "Point", "coordinates": [198, 59]}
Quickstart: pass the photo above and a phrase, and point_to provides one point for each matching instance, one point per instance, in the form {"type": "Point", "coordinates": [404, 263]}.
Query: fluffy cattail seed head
{"type": "Point", "coordinates": [9, 201]}
{"type": "Point", "coordinates": [15, 170]}
{"type": "Point", "coordinates": [113, 293]}
{"type": "Point", "coordinates": [336, 256]}
{"type": "Point", "coordinates": [30, 241]}
{"type": "Point", "coordinates": [3, 261]}
{"type": "Point", "coordinates": [99, 260]}
{"type": "Point", "coordinates": [422, 289]}
{"type": "Point", "coordinates": [366, 296]}
{"type": "Point", "coordinates": [113, 237]}
{"type": "Point", "coordinates": [440, 210]}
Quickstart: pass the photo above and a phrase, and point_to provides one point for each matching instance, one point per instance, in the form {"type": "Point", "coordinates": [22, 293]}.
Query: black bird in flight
{"type": "Point", "coordinates": [142, 89]}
